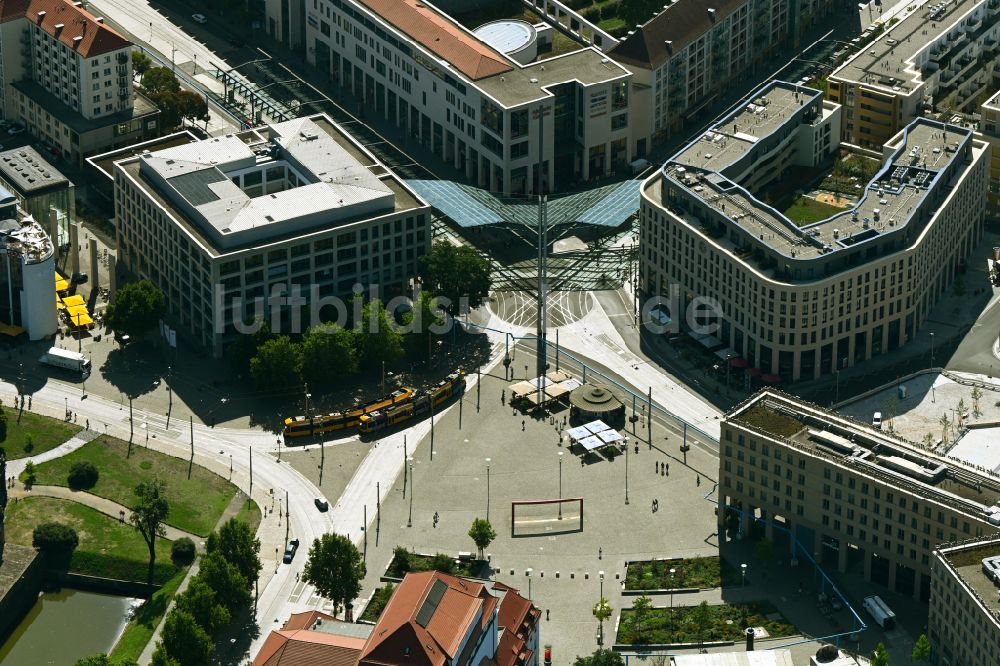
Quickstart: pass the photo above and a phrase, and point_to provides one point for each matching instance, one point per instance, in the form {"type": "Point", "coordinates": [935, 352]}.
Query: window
{"type": "Point", "coordinates": [619, 122]}
{"type": "Point", "coordinates": [518, 124]}
{"type": "Point", "coordinates": [492, 118]}
{"type": "Point", "coordinates": [518, 150]}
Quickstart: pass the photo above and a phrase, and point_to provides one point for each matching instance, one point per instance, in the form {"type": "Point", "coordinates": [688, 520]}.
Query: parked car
{"type": "Point", "coordinates": [293, 546]}
{"type": "Point", "coordinates": [122, 338]}
{"type": "Point", "coordinates": [877, 420]}
{"type": "Point", "coordinates": [199, 18]}
{"type": "Point", "coordinates": [79, 278]}
{"type": "Point", "coordinates": [321, 504]}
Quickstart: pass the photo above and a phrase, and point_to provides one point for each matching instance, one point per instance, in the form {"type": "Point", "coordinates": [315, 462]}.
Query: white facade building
{"type": "Point", "coordinates": [28, 297]}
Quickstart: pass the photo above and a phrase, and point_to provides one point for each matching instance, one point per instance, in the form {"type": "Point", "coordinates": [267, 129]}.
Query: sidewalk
{"type": "Point", "coordinates": [105, 506]}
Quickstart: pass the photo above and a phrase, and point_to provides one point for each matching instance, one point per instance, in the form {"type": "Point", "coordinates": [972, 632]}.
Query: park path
{"type": "Point", "coordinates": [105, 506]}
{"type": "Point", "coordinates": [15, 467]}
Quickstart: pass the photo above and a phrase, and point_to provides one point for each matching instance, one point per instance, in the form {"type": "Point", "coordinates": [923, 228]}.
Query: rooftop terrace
{"type": "Point", "coordinates": [888, 204]}
{"type": "Point", "coordinates": [889, 61]}
{"type": "Point", "coordinates": [967, 563]}
{"type": "Point", "coordinates": [869, 451]}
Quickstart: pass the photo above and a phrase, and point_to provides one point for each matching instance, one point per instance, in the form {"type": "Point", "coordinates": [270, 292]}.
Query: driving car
{"type": "Point", "coordinates": [321, 504]}
{"type": "Point", "coordinates": [79, 278]}
{"type": "Point", "coordinates": [290, 549]}
{"type": "Point", "coordinates": [199, 18]}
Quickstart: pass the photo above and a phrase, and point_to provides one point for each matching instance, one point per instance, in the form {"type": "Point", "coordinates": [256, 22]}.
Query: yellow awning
{"type": "Point", "coordinates": [75, 310]}
{"type": "Point", "coordinates": [62, 285]}
{"type": "Point", "coordinates": [60, 304]}
{"type": "Point", "coordinates": [80, 320]}
{"type": "Point", "coordinates": [75, 299]}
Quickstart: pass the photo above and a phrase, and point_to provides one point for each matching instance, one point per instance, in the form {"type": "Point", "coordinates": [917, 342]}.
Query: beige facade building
{"type": "Point", "coordinates": [224, 225]}
{"type": "Point", "coordinates": [939, 54]}
{"type": "Point", "coordinates": [990, 128]}
{"type": "Point", "coordinates": [854, 497]}
{"type": "Point", "coordinates": [964, 618]}
{"type": "Point", "coordinates": [802, 300]}
{"type": "Point", "coordinates": [67, 76]}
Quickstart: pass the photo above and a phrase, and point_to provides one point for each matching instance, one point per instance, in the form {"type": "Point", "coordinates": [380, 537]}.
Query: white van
{"type": "Point", "coordinates": [882, 614]}
{"type": "Point", "coordinates": [877, 420]}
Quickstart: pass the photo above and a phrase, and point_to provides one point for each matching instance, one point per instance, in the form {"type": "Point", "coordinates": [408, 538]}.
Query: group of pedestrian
{"type": "Point", "coordinates": [656, 505]}
{"type": "Point", "coordinates": [663, 468]}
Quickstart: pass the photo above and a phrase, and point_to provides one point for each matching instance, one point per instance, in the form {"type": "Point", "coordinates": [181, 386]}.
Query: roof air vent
{"type": "Point", "coordinates": [711, 14]}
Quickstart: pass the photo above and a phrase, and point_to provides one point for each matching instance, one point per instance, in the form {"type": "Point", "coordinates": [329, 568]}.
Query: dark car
{"type": "Point", "coordinates": [79, 278]}
{"type": "Point", "coordinates": [321, 504]}
{"type": "Point", "coordinates": [122, 338]}
{"type": "Point", "coordinates": [293, 546]}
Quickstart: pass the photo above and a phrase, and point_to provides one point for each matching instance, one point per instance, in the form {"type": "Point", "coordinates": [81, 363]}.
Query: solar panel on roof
{"type": "Point", "coordinates": [434, 596]}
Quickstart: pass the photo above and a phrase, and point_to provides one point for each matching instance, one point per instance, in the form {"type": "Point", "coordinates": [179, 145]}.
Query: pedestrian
{"type": "Point", "coordinates": [637, 449]}
{"type": "Point", "coordinates": [88, 424]}
{"type": "Point", "coordinates": [546, 614]}
{"type": "Point", "coordinates": [668, 468]}
{"type": "Point", "coordinates": [29, 402]}
{"type": "Point", "coordinates": [522, 425]}
{"type": "Point", "coordinates": [600, 553]}
{"type": "Point", "coordinates": [296, 576]}
{"type": "Point", "coordinates": [663, 471]}
{"type": "Point", "coordinates": [699, 479]}
{"type": "Point", "coordinates": [503, 397]}
{"type": "Point", "coordinates": [657, 468]}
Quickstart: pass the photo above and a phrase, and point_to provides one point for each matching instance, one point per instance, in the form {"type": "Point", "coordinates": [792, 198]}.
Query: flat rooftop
{"type": "Point", "coordinates": [888, 203]}
{"type": "Point", "coordinates": [29, 173]}
{"type": "Point", "coordinates": [967, 563]}
{"type": "Point", "coordinates": [328, 181]}
{"type": "Point", "coordinates": [528, 83]}
{"type": "Point", "coordinates": [869, 451]}
{"type": "Point", "coordinates": [888, 62]}
{"type": "Point", "coordinates": [105, 162]}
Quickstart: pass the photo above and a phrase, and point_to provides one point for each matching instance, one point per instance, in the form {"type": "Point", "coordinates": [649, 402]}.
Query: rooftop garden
{"type": "Point", "coordinates": [763, 417]}
{"type": "Point", "coordinates": [697, 624]}
{"type": "Point", "coordinates": [806, 210]}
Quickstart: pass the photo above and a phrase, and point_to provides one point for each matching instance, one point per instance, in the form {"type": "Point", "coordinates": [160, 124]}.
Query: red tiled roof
{"type": "Point", "coordinates": [308, 648]}
{"type": "Point", "coordinates": [13, 9]}
{"type": "Point", "coordinates": [306, 620]}
{"type": "Point", "coordinates": [441, 36]}
{"type": "Point", "coordinates": [517, 616]}
{"type": "Point", "coordinates": [96, 38]}
{"type": "Point", "coordinates": [399, 638]}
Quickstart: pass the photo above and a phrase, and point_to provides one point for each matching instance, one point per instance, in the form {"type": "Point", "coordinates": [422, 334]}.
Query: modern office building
{"type": "Point", "coordinates": [799, 300]}
{"type": "Point", "coordinates": [223, 225]}
{"type": "Point", "coordinates": [67, 76]}
{"type": "Point", "coordinates": [27, 279]}
{"type": "Point", "coordinates": [481, 100]}
{"type": "Point", "coordinates": [989, 126]}
{"type": "Point", "coordinates": [963, 624]}
{"type": "Point", "coordinates": [854, 497]}
{"type": "Point", "coordinates": [938, 55]}
{"type": "Point", "coordinates": [39, 187]}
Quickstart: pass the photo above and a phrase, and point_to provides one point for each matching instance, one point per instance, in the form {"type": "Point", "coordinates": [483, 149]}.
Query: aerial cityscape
{"type": "Point", "coordinates": [275, 269]}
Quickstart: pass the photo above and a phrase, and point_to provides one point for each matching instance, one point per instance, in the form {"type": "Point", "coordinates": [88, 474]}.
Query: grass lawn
{"type": "Point", "coordinates": [378, 603]}
{"type": "Point", "coordinates": [107, 548]}
{"type": "Point", "coordinates": [612, 25]}
{"type": "Point", "coordinates": [701, 572]}
{"type": "Point", "coordinates": [195, 505]}
{"type": "Point", "coordinates": [141, 627]}
{"type": "Point", "coordinates": [723, 623]}
{"type": "Point", "coordinates": [806, 210]}
{"type": "Point", "coordinates": [250, 514]}
{"type": "Point", "coordinates": [561, 44]}
{"type": "Point", "coordinates": [46, 433]}
{"type": "Point", "coordinates": [440, 562]}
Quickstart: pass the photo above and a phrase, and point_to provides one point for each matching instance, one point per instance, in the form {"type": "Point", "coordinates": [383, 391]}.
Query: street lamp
{"type": "Point", "coordinates": [560, 483]}
{"type": "Point", "coordinates": [672, 572]}
{"type": "Point", "coordinates": [932, 350]}
{"type": "Point", "coordinates": [527, 574]}
{"type": "Point", "coordinates": [626, 470]}
{"type": "Point", "coordinates": [743, 572]}
{"type": "Point", "coordinates": [409, 520]}
{"type": "Point", "coordinates": [600, 600]}
{"type": "Point", "coordinates": [145, 426]}
{"type": "Point", "coordinates": [487, 490]}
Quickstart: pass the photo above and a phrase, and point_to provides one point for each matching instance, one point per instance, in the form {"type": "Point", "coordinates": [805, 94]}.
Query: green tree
{"type": "Point", "coordinates": [185, 640]}
{"type": "Point", "coordinates": [190, 105]}
{"type": "Point", "coordinates": [763, 551]}
{"type": "Point", "coordinates": [29, 476]}
{"type": "Point", "coordinates": [232, 590]}
{"type": "Point", "coordinates": [3, 423]}
{"type": "Point", "coordinates": [329, 354]}
{"type": "Point", "coordinates": [104, 660]}
{"type": "Point", "coordinates": [335, 568]}
{"type": "Point", "coordinates": [161, 658]}
{"type": "Point", "coordinates": [82, 475]}
{"type": "Point", "coordinates": [928, 440]}
{"type": "Point", "coordinates": [921, 649]}
{"type": "Point", "coordinates": [641, 608]}
{"type": "Point", "coordinates": [602, 611]}
{"type": "Point", "coordinates": [137, 308]}
{"type": "Point", "coordinates": [601, 657]}
{"type": "Point", "coordinates": [148, 513]}
{"type": "Point", "coordinates": [482, 533]}
{"type": "Point", "coordinates": [245, 346]}
{"type": "Point", "coordinates": [880, 656]}
{"type": "Point", "coordinates": [200, 600]}
{"type": "Point", "coordinates": [976, 397]}
{"type": "Point", "coordinates": [700, 616]}
{"type": "Point", "coordinates": [182, 551]}
{"type": "Point", "coordinates": [141, 63]}
{"type": "Point", "coordinates": [400, 561]}
{"type": "Point", "coordinates": [278, 364]}
{"type": "Point", "coordinates": [456, 273]}
{"type": "Point", "coordinates": [379, 339]}
{"type": "Point", "coordinates": [237, 543]}
{"type": "Point", "coordinates": [56, 542]}
{"type": "Point", "coordinates": [424, 323]}
{"type": "Point", "coordinates": [944, 423]}
{"type": "Point", "coordinates": [159, 80]}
